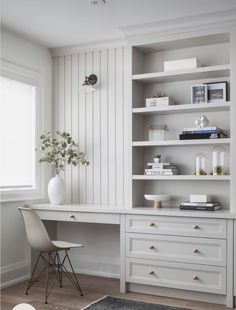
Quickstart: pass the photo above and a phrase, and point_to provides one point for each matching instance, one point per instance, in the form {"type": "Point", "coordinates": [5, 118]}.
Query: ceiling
{"type": "Point", "coordinates": [55, 23]}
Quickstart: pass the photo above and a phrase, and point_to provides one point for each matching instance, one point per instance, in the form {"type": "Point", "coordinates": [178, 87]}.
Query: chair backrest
{"type": "Point", "coordinates": [35, 231]}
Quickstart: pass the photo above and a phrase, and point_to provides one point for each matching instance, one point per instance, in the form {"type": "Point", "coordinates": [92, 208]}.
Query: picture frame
{"type": "Point", "coordinates": [217, 91]}
{"type": "Point", "coordinates": [199, 94]}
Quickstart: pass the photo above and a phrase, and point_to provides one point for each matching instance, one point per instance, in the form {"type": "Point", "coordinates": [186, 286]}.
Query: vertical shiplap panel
{"type": "Point", "coordinates": [89, 133]}
{"type": "Point", "coordinates": [75, 124]}
{"type": "Point", "coordinates": [82, 127]}
{"type": "Point", "coordinates": [119, 91]}
{"type": "Point", "coordinates": [68, 114]}
{"type": "Point", "coordinates": [112, 126]}
{"type": "Point", "coordinates": [127, 138]}
{"type": "Point", "coordinates": [97, 130]}
{"type": "Point", "coordinates": [104, 127]}
{"type": "Point", "coordinates": [61, 96]}
{"type": "Point", "coordinates": [55, 93]}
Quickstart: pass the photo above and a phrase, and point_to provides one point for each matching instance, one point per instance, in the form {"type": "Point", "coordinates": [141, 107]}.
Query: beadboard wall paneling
{"type": "Point", "coordinates": [99, 121]}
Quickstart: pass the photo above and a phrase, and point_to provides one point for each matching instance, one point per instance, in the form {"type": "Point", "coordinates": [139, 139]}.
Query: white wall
{"type": "Point", "coordinates": [15, 254]}
{"type": "Point", "coordinates": [99, 121]}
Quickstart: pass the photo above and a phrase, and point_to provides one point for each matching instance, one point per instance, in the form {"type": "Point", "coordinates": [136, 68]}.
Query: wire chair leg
{"type": "Point", "coordinates": [32, 275]}
{"type": "Point", "coordinates": [46, 283]}
{"type": "Point", "coordinates": [74, 275]}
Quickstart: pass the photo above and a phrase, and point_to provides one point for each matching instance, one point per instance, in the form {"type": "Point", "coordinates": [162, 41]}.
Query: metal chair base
{"type": "Point", "coordinates": [53, 261]}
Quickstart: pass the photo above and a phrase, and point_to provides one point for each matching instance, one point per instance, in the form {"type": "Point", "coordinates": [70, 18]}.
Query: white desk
{"type": "Point", "coordinates": [162, 226]}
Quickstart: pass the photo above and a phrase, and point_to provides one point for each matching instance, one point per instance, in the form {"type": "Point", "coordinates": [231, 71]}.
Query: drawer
{"type": "Point", "coordinates": [177, 249]}
{"type": "Point", "coordinates": [81, 217]}
{"type": "Point", "coordinates": [194, 227]}
{"type": "Point", "coordinates": [192, 277]}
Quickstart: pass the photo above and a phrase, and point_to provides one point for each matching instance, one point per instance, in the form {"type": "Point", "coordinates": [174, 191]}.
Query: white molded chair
{"type": "Point", "coordinates": [48, 251]}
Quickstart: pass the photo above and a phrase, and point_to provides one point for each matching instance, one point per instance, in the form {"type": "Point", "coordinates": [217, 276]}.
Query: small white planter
{"type": "Point", "coordinates": [56, 191]}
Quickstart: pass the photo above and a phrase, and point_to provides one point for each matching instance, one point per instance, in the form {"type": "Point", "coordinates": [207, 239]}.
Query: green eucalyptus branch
{"type": "Point", "coordinates": [60, 151]}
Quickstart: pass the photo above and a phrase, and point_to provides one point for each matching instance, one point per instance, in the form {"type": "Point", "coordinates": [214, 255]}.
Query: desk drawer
{"type": "Point", "coordinates": [194, 227]}
{"type": "Point", "coordinates": [206, 279]}
{"type": "Point", "coordinates": [83, 217]}
{"type": "Point", "coordinates": [177, 249]}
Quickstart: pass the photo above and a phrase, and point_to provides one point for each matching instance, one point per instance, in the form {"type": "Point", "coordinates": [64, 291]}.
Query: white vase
{"type": "Point", "coordinates": [56, 191]}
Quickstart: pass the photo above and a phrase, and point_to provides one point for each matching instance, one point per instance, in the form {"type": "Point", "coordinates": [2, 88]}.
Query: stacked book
{"type": "Point", "coordinates": [202, 133]}
{"type": "Point", "coordinates": [161, 169]}
{"type": "Point", "coordinates": [200, 206]}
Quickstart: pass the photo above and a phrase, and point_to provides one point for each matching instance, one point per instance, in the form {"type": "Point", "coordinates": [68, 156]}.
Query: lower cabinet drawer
{"type": "Point", "coordinates": [177, 249]}
{"type": "Point", "coordinates": [177, 226]}
{"type": "Point", "coordinates": [192, 277]}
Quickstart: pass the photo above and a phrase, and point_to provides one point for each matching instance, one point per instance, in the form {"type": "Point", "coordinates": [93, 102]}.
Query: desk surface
{"type": "Point", "coordinates": [85, 208]}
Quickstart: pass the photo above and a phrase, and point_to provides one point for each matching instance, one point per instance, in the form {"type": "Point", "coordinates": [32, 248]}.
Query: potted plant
{"type": "Point", "coordinates": [58, 152]}
{"type": "Point", "coordinates": [160, 99]}
{"type": "Point", "coordinates": [157, 158]}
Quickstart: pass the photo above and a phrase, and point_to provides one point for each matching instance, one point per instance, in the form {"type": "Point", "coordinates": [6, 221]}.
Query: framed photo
{"type": "Point", "coordinates": [217, 91]}
{"type": "Point", "coordinates": [199, 93]}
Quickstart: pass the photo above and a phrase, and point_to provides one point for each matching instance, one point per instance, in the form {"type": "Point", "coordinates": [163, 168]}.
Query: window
{"type": "Point", "coordinates": [17, 128]}
{"type": "Point", "coordinates": [19, 112]}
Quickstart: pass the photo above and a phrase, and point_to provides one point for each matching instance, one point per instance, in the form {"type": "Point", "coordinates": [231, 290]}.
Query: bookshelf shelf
{"type": "Point", "coordinates": [182, 177]}
{"type": "Point", "coordinates": [183, 108]}
{"type": "Point", "coordinates": [184, 75]}
{"type": "Point", "coordinates": [182, 142]}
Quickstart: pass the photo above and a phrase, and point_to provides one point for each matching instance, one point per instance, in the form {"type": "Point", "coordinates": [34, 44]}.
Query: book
{"type": "Point", "coordinates": [200, 204]}
{"type": "Point", "coordinates": [202, 129]}
{"type": "Point", "coordinates": [199, 208]}
{"type": "Point", "coordinates": [200, 136]}
{"type": "Point", "coordinates": [160, 169]}
{"type": "Point", "coordinates": [160, 173]}
{"type": "Point", "coordinates": [160, 164]}
{"type": "Point", "coordinates": [200, 132]}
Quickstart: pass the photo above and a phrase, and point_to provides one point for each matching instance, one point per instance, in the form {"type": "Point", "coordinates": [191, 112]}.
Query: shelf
{"type": "Point", "coordinates": [182, 142]}
{"type": "Point", "coordinates": [183, 108]}
{"type": "Point", "coordinates": [183, 75]}
{"type": "Point", "coordinates": [183, 177]}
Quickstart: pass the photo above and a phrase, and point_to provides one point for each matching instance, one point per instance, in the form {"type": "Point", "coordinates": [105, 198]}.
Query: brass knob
{"type": "Point", "coordinates": [72, 217]}
{"type": "Point", "coordinates": [195, 278]}
{"type": "Point", "coordinates": [151, 224]}
{"type": "Point", "coordinates": [195, 227]}
{"type": "Point", "coordinates": [151, 272]}
{"type": "Point", "coordinates": [151, 247]}
{"type": "Point", "coordinates": [195, 251]}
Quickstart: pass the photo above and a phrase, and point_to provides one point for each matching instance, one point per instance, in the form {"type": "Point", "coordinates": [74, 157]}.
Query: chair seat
{"type": "Point", "coordinates": [66, 245]}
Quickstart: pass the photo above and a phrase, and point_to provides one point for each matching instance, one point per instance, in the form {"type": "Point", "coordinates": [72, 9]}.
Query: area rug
{"type": "Point", "coordinates": [113, 303]}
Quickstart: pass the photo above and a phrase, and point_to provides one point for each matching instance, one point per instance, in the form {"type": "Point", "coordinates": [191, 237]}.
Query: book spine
{"type": "Point", "coordinates": [199, 136]}
{"type": "Point", "coordinates": [200, 132]}
{"type": "Point", "coordinates": [202, 129]}
{"type": "Point", "coordinates": [199, 204]}
{"type": "Point", "coordinates": [160, 173]}
{"type": "Point", "coordinates": [199, 208]}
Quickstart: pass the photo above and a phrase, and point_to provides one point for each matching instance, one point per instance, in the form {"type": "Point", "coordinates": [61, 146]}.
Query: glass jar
{"type": "Point", "coordinates": [218, 160]}
{"type": "Point", "coordinates": [200, 164]}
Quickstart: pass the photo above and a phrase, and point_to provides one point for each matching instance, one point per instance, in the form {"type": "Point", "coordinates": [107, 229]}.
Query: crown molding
{"type": "Point", "coordinates": [218, 22]}
{"type": "Point", "coordinates": [87, 47]}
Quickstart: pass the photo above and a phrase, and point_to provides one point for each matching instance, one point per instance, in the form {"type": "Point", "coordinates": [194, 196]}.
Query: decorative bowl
{"type": "Point", "coordinates": [157, 199]}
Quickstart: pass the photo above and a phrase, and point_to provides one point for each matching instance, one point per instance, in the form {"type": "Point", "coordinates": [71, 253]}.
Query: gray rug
{"type": "Point", "coordinates": [112, 303]}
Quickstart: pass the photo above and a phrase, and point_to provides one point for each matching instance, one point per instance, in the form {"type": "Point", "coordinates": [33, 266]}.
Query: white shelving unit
{"type": "Point", "coordinates": [148, 77]}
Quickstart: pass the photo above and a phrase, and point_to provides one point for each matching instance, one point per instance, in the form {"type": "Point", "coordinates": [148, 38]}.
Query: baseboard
{"type": "Point", "coordinates": [102, 266]}
{"type": "Point", "coordinates": [14, 273]}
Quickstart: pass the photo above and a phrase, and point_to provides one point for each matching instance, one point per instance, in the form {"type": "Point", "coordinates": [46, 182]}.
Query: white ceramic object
{"type": "Point", "coordinates": [56, 191]}
{"type": "Point", "coordinates": [23, 307]}
{"type": "Point", "coordinates": [157, 199]}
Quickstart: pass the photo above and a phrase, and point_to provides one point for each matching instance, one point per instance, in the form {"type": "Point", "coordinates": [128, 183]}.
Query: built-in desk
{"type": "Point", "coordinates": [165, 251]}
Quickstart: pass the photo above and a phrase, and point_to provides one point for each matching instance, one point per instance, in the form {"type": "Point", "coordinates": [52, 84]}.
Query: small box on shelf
{"type": "Point", "coordinates": [181, 64]}
{"type": "Point", "coordinates": [159, 102]}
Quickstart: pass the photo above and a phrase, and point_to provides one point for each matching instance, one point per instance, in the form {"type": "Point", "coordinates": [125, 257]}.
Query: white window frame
{"type": "Point", "coordinates": [25, 75]}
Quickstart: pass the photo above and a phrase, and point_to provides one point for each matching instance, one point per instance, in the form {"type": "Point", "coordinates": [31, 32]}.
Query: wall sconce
{"type": "Point", "coordinates": [89, 83]}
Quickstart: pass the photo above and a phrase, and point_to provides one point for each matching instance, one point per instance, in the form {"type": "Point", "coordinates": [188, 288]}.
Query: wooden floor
{"type": "Point", "coordinates": [67, 298]}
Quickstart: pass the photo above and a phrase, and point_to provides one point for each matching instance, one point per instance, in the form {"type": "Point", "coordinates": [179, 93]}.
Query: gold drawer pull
{"type": "Point", "coordinates": [195, 227]}
{"type": "Point", "coordinates": [151, 247]}
{"type": "Point", "coordinates": [195, 278]}
{"type": "Point", "coordinates": [151, 272]}
{"type": "Point", "coordinates": [152, 224]}
{"type": "Point", "coordinates": [72, 217]}
{"type": "Point", "coordinates": [195, 251]}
